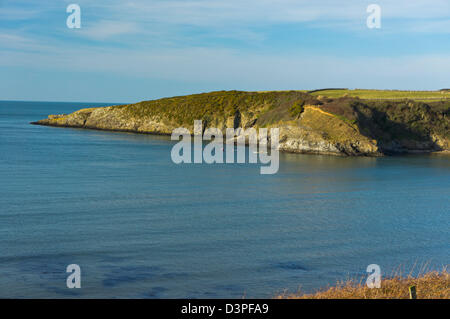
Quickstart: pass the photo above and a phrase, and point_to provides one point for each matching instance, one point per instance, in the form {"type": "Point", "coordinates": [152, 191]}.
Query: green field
{"type": "Point", "coordinates": [386, 94]}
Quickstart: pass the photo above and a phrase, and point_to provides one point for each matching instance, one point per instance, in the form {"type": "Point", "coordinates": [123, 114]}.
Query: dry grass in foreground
{"type": "Point", "coordinates": [431, 285]}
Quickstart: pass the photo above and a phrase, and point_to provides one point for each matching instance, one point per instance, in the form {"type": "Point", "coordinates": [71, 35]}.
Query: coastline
{"type": "Point", "coordinates": [311, 152]}
{"type": "Point", "coordinates": [308, 124]}
{"type": "Point", "coordinates": [115, 179]}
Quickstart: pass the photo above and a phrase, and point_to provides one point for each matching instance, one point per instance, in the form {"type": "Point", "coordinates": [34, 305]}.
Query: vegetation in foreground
{"type": "Point", "coordinates": [431, 285]}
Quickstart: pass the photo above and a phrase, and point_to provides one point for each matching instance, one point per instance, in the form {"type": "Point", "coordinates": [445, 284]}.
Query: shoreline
{"type": "Point", "coordinates": [406, 152]}
{"type": "Point", "coordinates": [308, 124]}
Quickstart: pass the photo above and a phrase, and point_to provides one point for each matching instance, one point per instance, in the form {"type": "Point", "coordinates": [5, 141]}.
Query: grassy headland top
{"type": "Point", "coordinates": [425, 96]}
{"type": "Point", "coordinates": [328, 121]}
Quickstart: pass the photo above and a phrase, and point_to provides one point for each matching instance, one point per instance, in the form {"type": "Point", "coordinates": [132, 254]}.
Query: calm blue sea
{"type": "Point", "coordinates": [140, 226]}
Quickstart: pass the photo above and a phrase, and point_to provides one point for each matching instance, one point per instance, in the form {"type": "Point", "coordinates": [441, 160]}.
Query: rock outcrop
{"type": "Point", "coordinates": [345, 126]}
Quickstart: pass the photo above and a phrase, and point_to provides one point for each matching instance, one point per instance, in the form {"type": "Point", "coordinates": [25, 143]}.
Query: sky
{"type": "Point", "coordinates": [129, 51]}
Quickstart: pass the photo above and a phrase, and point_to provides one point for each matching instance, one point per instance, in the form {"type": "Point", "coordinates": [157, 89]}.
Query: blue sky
{"type": "Point", "coordinates": [127, 51]}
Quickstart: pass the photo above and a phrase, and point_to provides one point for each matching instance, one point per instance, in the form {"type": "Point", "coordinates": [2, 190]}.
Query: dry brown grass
{"type": "Point", "coordinates": [430, 285]}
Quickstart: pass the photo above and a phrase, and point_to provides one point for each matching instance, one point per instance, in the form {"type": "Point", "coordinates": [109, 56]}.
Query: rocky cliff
{"type": "Point", "coordinates": [308, 124]}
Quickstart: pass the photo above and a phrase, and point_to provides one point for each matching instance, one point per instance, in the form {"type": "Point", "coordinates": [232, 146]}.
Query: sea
{"type": "Point", "coordinates": [140, 226]}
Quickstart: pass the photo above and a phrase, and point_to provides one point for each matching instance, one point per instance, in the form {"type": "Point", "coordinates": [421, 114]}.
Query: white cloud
{"type": "Point", "coordinates": [16, 13]}
{"type": "Point", "coordinates": [105, 29]}
{"type": "Point", "coordinates": [18, 41]}
{"type": "Point", "coordinates": [142, 21]}
{"type": "Point", "coordinates": [240, 19]}
{"type": "Point", "coordinates": [218, 12]}
{"type": "Point", "coordinates": [231, 68]}
{"type": "Point", "coordinates": [432, 26]}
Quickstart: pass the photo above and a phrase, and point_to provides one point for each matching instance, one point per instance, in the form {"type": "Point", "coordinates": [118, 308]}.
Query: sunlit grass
{"type": "Point", "coordinates": [429, 285]}
{"type": "Point", "coordinates": [386, 94]}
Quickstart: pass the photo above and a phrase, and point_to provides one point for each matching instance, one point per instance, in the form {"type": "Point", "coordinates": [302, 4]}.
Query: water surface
{"type": "Point", "coordinates": [140, 226]}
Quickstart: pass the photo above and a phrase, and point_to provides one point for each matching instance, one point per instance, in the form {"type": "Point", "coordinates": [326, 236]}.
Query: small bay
{"type": "Point", "coordinates": [141, 226]}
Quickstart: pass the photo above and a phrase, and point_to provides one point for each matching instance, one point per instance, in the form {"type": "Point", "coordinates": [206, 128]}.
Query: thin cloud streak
{"type": "Point", "coordinates": [252, 45]}
{"type": "Point", "coordinates": [229, 66]}
{"type": "Point", "coordinates": [106, 29]}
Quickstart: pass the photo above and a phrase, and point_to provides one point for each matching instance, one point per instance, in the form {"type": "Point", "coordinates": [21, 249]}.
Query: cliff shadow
{"type": "Point", "coordinates": [393, 137]}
